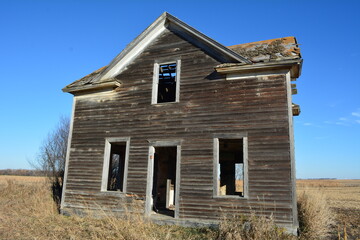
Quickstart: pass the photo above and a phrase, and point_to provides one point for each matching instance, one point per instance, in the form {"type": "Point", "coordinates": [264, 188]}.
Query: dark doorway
{"type": "Point", "coordinates": [164, 180]}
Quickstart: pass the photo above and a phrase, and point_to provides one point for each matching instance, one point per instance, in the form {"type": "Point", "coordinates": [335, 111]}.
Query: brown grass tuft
{"type": "Point", "coordinates": [251, 228]}
{"type": "Point", "coordinates": [315, 216]}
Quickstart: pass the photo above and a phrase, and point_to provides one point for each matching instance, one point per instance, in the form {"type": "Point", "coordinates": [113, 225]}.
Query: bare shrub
{"type": "Point", "coordinates": [315, 216]}
{"type": "Point", "coordinates": [251, 228]}
{"type": "Point", "coordinates": [52, 155]}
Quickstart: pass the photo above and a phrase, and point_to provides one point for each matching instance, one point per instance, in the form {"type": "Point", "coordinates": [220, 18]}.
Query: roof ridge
{"type": "Point", "coordinates": [167, 21]}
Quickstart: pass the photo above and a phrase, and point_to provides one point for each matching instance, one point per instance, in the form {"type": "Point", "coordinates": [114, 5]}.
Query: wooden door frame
{"type": "Point", "coordinates": [150, 174]}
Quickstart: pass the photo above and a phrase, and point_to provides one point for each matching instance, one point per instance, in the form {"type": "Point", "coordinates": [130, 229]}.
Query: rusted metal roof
{"type": "Point", "coordinates": [269, 50]}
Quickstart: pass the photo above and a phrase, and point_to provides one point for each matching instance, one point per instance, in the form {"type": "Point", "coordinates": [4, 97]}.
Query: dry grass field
{"type": "Point", "coordinates": [21, 179]}
{"type": "Point", "coordinates": [343, 197]}
{"type": "Point", "coordinates": [27, 211]}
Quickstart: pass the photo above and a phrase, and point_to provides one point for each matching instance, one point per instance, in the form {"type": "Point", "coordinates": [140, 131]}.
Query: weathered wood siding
{"type": "Point", "coordinates": [254, 105]}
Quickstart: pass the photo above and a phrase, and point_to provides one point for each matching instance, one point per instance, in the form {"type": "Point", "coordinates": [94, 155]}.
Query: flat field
{"type": "Point", "coordinates": [343, 198]}
{"type": "Point", "coordinates": [27, 211]}
{"type": "Point", "coordinates": [21, 179]}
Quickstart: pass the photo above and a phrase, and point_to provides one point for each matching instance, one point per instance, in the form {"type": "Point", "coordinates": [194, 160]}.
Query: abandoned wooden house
{"type": "Point", "coordinates": [188, 128]}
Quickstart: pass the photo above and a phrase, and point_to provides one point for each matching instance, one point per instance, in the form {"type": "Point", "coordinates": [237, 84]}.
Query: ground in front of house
{"type": "Point", "coordinates": [27, 211]}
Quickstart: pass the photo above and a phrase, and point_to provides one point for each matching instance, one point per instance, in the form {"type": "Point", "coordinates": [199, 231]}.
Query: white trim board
{"type": "Point", "coordinates": [292, 151]}
{"type": "Point", "coordinates": [239, 76]}
{"type": "Point", "coordinates": [134, 52]}
{"type": "Point", "coordinates": [66, 170]}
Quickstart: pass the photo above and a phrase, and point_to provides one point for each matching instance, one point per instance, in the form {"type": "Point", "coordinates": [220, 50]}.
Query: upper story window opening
{"type": "Point", "coordinates": [166, 82]}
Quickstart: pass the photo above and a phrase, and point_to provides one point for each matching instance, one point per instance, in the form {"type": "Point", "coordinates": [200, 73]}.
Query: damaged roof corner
{"type": "Point", "coordinates": [269, 50]}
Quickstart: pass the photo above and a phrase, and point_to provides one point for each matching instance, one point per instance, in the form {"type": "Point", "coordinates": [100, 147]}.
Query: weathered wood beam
{"type": "Point", "coordinates": [91, 87]}
{"type": "Point", "coordinates": [293, 65]}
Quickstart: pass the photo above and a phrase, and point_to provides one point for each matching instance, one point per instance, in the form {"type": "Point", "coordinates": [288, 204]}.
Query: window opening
{"type": "Point", "coordinates": [116, 167]}
{"type": "Point", "coordinates": [164, 179]}
{"type": "Point", "coordinates": [230, 176]}
{"type": "Point", "coordinates": [167, 83]}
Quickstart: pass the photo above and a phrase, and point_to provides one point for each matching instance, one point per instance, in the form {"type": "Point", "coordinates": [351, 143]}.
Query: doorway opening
{"type": "Point", "coordinates": [164, 180]}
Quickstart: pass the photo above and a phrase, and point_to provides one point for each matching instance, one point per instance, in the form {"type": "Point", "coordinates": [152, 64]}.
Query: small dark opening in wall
{"type": "Point", "coordinates": [231, 167]}
{"type": "Point", "coordinates": [116, 167]}
{"type": "Point", "coordinates": [167, 83]}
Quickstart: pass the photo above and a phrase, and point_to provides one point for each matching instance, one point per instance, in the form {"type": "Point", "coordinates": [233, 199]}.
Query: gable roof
{"type": "Point", "coordinates": [242, 54]}
{"type": "Point", "coordinates": [132, 50]}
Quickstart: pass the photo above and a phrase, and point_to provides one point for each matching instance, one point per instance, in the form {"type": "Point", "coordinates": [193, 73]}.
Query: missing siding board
{"type": "Point", "coordinates": [231, 167]}
{"type": "Point", "coordinates": [116, 167]}
{"type": "Point", "coordinates": [167, 83]}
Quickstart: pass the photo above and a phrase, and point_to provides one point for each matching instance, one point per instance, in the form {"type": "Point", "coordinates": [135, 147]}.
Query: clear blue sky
{"type": "Point", "coordinates": [45, 45]}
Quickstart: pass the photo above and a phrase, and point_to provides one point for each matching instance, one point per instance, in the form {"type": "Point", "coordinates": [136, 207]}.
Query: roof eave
{"type": "Point", "coordinates": [294, 66]}
{"type": "Point", "coordinates": [88, 88]}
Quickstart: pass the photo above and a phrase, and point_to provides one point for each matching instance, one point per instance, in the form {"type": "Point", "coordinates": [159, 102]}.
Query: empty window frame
{"type": "Point", "coordinates": [166, 82]}
{"type": "Point", "coordinates": [115, 164]}
{"type": "Point", "coordinates": [230, 174]}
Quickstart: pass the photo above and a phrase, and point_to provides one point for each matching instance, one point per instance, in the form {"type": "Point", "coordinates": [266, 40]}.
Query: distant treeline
{"type": "Point", "coordinates": [316, 179]}
{"type": "Point", "coordinates": [21, 172]}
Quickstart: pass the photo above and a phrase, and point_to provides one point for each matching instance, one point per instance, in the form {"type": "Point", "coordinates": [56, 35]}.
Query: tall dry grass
{"type": "Point", "coordinates": [343, 199]}
{"type": "Point", "coordinates": [315, 215]}
{"type": "Point", "coordinates": [251, 228]}
{"type": "Point", "coordinates": [27, 211]}
{"type": "Point", "coordinates": [316, 221]}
